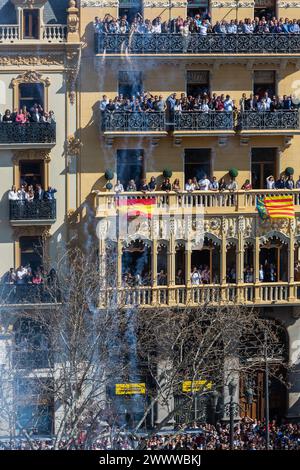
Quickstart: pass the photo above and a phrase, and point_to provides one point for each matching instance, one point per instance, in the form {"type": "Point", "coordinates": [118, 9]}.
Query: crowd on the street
{"type": "Point", "coordinates": [248, 435]}
{"type": "Point", "coordinates": [203, 102]}
{"type": "Point", "coordinates": [22, 116]}
{"type": "Point", "coordinates": [197, 24]}
{"type": "Point", "coordinates": [31, 192]}
{"type": "Point", "coordinates": [25, 275]}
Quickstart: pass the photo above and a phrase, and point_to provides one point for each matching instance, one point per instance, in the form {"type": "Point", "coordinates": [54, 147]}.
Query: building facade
{"type": "Point", "coordinates": [52, 54]}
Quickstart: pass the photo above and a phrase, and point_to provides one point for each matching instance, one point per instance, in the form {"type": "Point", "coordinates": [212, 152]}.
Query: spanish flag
{"type": "Point", "coordinates": [137, 207]}
{"type": "Point", "coordinates": [276, 207]}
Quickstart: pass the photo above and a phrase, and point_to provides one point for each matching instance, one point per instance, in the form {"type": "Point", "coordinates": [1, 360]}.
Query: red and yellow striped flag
{"type": "Point", "coordinates": [280, 207]}
{"type": "Point", "coordinates": [137, 207]}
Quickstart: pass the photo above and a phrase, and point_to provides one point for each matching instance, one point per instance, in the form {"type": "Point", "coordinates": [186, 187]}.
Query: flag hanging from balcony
{"type": "Point", "coordinates": [275, 207]}
{"type": "Point", "coordinates": [137, 207]}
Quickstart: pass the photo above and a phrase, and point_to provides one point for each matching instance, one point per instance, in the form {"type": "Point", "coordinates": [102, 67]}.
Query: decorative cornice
{"type": "Point", "coordinates": [232, 4]}
{"type": "Point", "coordinates": [23, 60]}
{"type": "Point", "coordinates": [288, 4]}
{"type": "Point", "coordinates": [99, 3]}
{"type": "Point", "coordinates": [149, 4]}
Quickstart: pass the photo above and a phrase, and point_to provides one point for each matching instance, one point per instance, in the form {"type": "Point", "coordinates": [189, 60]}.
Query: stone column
{"type": "Point", "coordinates": [171, 269]}
{"type": "Point", "coordinates": [119, 263]}
{"type": "Point", "coordinates": [256, 268]}
{"type": "Point", "coordinates": [291, 264]}
{"type": "Point", "coordinates": [164, 408]}
{"type": "Point", "coordinates": [188, 269]}
{"type": "Point", "coordinates": [154, 270]}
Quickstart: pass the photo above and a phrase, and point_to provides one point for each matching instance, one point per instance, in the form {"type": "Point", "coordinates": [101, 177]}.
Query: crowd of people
{"type": "Point", "coordinates": [203, 102]}
{"type": "Point", "coordinates": [204, 183]}
{"type": "Point", "coordinates": [25, 275]}
{"type": "Point", "coordinates": [31, 192]}
{"type": "Point", "coordinates": [197, 24]}
{"type": "Point", "coordinates": [249, 435]}
{"type": "Point", "coordinates": [22, 116]}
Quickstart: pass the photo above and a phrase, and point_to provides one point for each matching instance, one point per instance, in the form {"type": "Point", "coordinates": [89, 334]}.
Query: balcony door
{"type": "Point", "coordinates": [265, 8]}
{"type": "Point", "coordinates": [32, 172]}
{"type": "Point", "coordinates": [130, 8]}
{"type": "Point", "coordinates": [197, 82]}
{"type": "Point", "coordinates": [197, 163]}
{"type": "Point", "coordinates": [130, 166]}
{"type": "Point", "coordinates": [31, 252]}
{"type": "Point", "coordinates": [31, 24]}
{"type": "Point", "coordinates": [263, 165]}
{"type": "Point", "coordinates": [130, 84]}
{"type": "Point", "coordinates": [264, 81]}
{"type": "Point", "coordinates": [31, 94]}
{"type": "Point", "coordinates": [197, 7]}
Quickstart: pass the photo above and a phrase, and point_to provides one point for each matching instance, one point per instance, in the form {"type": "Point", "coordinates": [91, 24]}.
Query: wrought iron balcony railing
{"type": "Point", "coordinates": [133, 121]}
{"type": "Point", "coordinates": [273, 120]}
{"type": "Point", "coordinates": [174, 43]}
{"type": "Point", "coordinates": [33, 210]}
{"type": "Point", "coordinates": [29, 133]}
{"type": "Point", "coordinates": [15, 294]}
{"type": "Point", "coordinates": [198, 121]}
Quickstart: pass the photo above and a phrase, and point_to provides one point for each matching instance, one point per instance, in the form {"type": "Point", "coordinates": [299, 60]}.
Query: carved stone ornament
{"type": "Point", "coordinates": [99, 3]}
{"type": "Point", "coordinates": [232, 4]}
{"type": "Point", "coordinates": [19, 60]}
{"type": "Point", "coordinates": [29, 3]}
{"type": "Point", "coordinates": [288, 4]}
{"type": "Point", "coordinates": [73, 145]}
{"type": "Point", "coordinates": [73, 20]}
{"type": "Point", "coordinates": [31, 77]}
{"type": "Point", "coordinates": [31, 154]}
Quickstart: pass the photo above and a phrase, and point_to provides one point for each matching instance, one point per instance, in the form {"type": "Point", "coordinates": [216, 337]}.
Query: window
{"type": "Point", "coordinates": [197, 82]}
{"type": "Point", "coordinates": [130, 166]}
{"type": "Point", "coordinates": [266, 8]}
{"type": "Point", "coordinates": [31, 22]}
{"type": "Point", "coordinates": [31, 252]}
{"type": "Point", "coordinates": [263, 164]}
{"type": "Point", "coordinates": [130, 8]}
{"type": "Point", "coordinates": [32, 172]}
{"type": "Point", "coordinates": [130, 84]}
{"type": "Point", "coordinates": [30, 94]}
{"type": "Point", "coordinates": [264, 81]}
{"type": "Point", "coordinates": [197, 163]}
{"type": "Point", "coordinates": [197, 7]}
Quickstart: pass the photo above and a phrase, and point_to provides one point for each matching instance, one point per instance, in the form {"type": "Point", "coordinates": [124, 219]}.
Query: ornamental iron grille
{"type": "Point", "coordinates": [280, 119]}
{"type": "Point", "coordinates": [187, 120]}
{"type": "Point", "coordinates": [14, 294]}
{"type": "Point", "coordinates": [30, 132]}
{"type": "Point", "coordinates": [170, 43]}
{"type": "Point", "coordinates": [33, 210]}
{"type": "Point", "coordinates": [134, 121]}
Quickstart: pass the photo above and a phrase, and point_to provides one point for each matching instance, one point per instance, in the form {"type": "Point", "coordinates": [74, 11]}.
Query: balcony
{"type": "Point", "coordinates": [24, 213]}
{"type": "Point", "coordinates": [270, 122]}
{"type": "Point", "coordinates": [28, 294]}
{"type": "Point", "coordinates": [174, 43]}
{"type": "Point", "coordinates": [30, 134]}
{"type": "Point", "coordinates": [212, 202]}
{"type": "Point", "coordinates": [54, 33]}
{"type": "Point", "coordinates": [260, 294]}
{"type": "Point", "coordinates": [134, 123]}
{"type": "Point", "coordinates": [213, 122]}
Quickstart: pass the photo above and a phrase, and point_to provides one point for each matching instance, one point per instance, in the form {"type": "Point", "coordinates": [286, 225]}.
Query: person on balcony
{"type": "Point", "coordinates": [30, 196]}
{"type": "Point", "coordinates": [131, 187]}
{"type": "Point", "coordinates": [247, 185]}
{"type": "Point", "coordinates": [214, 185]}
{"type": "Point", "coordinates": [195, 277]}
{"type": "Point", "coordinates": [162, 278]}
{"type": "Point", "coordinates": [204, 183]}
{"type": "Point", "coordinates": [190, 186]}
{"type": "Point", "coordinates": [22, 116]}
{"type": "Point", "coordinates": [22, 193]}
{"type": "Point", "coordinates": [176, 185]}
{"type": "Point", "coordinates": [152, 183]}
{"type": "Point", "coordinates": [36, 113]}
{"type": "Point", "coordinates": [7, 116]}
{"type": "Point", "coordinates": [270, 182]}
{"type": "Point", "coordinates": [13, 194]}
{"type": "Point", "coordinates": [280, 183]}
{"type": "Point", "coordinates": [289, 182]}
{"type": "Point", "coordinates": [49, 194]}
{"type": "Point", "coordinates": [39, 193]}
{"type": "Point", "coordinates": [119, 188]}
{"type": "Point", "coordinates": [166, 185]}
{"type": "Point", "coordinates": [144, 187]}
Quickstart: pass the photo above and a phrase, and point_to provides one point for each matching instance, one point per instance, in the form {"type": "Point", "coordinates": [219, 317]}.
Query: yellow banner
{"type": "Point", "coordinates": [130, 389]}
{"type": "Point", "coordinates": [196, 385]}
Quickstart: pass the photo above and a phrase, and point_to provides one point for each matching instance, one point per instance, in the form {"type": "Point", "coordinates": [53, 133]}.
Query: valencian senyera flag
{"type": "Point", "coordinates": [275, 207]}
{"type": "Point", "coordinates": [137, 207]}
